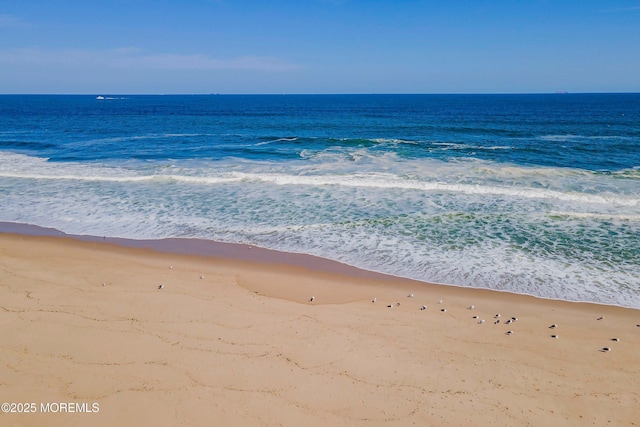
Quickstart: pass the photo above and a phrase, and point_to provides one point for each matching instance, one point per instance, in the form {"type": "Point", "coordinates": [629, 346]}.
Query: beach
{"type": "Point", "coordinates": [101, 334]}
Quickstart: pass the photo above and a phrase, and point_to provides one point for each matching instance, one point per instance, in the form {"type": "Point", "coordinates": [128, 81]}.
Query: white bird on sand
{"type": "Point", "coordinates": [104, 284]}
{"type": "Point", "coordinates": [171, 267]}
{"type": "Point", "coordinates": [440, 302]}
{"type": "Point", "coordinates": [410, 296]}
{"type": "Point", "coordinates": [202, 277]}
{"type": "Point", "coordinates": [481, 321]}
{"type": "Point", "coordinates": [471, 307]}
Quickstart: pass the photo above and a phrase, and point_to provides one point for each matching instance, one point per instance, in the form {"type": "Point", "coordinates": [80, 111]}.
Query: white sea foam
{"type": "Point", "coordinates": [394, 141]}
{"type": "Point", "coordinates": [385, 181]}
{"type": "Point", "coordinates": [378, 181]}
{"type": "Point", "coordinates": [458, 146]}
{"type": "Point", "coordinates": [559, 138]}
{"type": "Point", "coordinates": [277, 140]}
{"type": "Point", "coordinates": [25, 167]}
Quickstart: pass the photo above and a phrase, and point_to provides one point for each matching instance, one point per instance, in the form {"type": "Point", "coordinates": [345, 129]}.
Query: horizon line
{"type": "Point", "coordinates": [311, 93]}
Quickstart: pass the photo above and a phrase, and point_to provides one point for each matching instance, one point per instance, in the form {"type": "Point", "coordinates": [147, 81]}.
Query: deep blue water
{"type": "Point", "coordinates": [537, 194]}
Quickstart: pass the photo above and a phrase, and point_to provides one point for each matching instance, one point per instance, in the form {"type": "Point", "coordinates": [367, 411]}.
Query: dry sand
{"type": "Point", "coordinates": [244, 346]}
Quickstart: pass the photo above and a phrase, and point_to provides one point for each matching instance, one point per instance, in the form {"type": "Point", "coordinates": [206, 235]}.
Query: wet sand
{"type": "Point", "coordinates": [232, 338]}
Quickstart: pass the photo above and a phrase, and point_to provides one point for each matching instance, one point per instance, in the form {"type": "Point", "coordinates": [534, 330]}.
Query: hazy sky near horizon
{"type": "Point", "coordinates": [319, 46]}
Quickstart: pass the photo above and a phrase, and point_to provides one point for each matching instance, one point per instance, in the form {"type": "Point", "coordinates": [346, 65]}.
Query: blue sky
{"type": "Point", "coordinates": [319, 46]}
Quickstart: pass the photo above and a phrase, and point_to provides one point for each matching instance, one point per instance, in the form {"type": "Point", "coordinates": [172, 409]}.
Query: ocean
{"type": "Point", "coordinates": [532, 194]}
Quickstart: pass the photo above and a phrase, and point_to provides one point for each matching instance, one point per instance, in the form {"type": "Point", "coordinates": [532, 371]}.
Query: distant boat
{"type": "Point", "coordinates": [99, 97]}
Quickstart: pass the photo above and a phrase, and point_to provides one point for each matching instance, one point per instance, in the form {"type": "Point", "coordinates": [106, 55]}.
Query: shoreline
{"type": "Point", "coordinates": [240, 342]}
{"type": "Point", "coordinates": [205, 248]}
{"type": "Point", "coordinates": [255, 254]}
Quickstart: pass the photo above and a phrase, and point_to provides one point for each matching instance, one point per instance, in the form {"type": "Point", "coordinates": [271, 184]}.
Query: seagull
{"type": "Point", "coordinates": [513, 319]}
{"type": "Point", "coordinates": [496, 316]}
{"type": "Point", "coordinates": [424, 307]}
{"type": "Point", "coordinates": [496, 322]}
{"type": "Point", "coordinates": [553, 326]}
{"type": "Point", "coordinates": [475, 317]}
{"type": "Point", "coordinates": [160, 286]}
{"type": "Point", "coordinates": [554, 336]}
{"type": "Point", "coordinates": [471, 307]}
{"type": "Point", "coordinates": [311, 299]}
{"type": "Point", "coordinates": [201, 277]}
{"type": "Point", "coordinates": [440, 302]}
{"type": "Point", "coordinates": [605, 349]}
{"type": "Point", "coordinates": [104, 284]}
{"type": "Point", "coordinates": [389, 306]}
{"type": "Point", "coordinates": [374, 300]}
{"type": "Point", "coordinates": [410, 296]}
{"type": "Point", "coordinates": [600, 318]}
{"type": "Point", "coordinates": [171, 267]}
{"type": "Point", "coordinates": [615, 339]}
{"type": "Point", "coordinates": [481, 322]}
{"type": "Point", "coordinates": [509, 332]}
{"type": "Point", "coordinates": [443, 310]}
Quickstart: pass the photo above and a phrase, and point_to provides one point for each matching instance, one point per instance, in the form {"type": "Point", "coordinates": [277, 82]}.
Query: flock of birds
{"type": "Point", "coordinates": [497, 319]}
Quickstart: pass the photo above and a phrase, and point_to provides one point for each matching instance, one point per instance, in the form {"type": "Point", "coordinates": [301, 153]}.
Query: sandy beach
{"type": "Point", "coordinates": [133, 336]}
